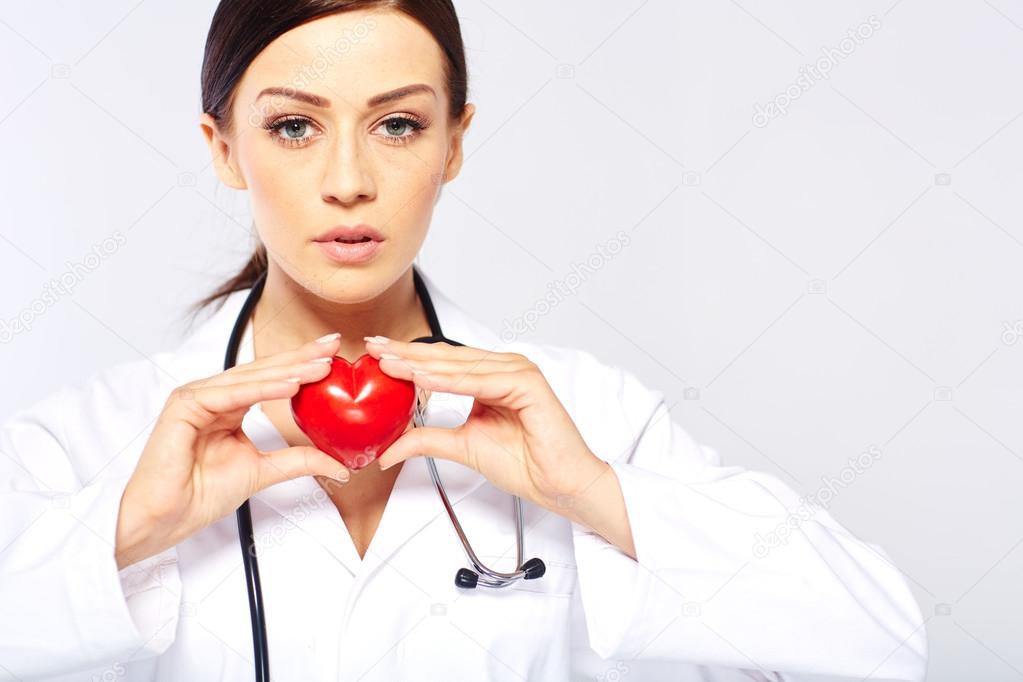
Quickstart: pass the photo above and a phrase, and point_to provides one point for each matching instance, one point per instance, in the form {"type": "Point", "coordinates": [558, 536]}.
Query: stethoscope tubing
{"type": "Point", "coordinates": [486, 576]}
{"type": "Point", "coordinates": [243, 514]}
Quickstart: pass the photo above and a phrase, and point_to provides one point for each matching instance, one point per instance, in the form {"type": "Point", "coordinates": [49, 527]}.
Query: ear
{"type": "Point", "coordinates": [455, 157]}
{"type": "Point", "coordinates": [224, 162]}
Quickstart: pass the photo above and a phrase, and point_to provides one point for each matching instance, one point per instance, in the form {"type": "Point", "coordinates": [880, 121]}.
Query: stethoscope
{"type": "Point", "coordinates": [466, 578]}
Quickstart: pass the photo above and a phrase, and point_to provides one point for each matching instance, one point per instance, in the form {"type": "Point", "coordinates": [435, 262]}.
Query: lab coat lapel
{"type": "Point", "coordinates": [301, 502]}
{"type": "Point", "coordinates": [414, 502]}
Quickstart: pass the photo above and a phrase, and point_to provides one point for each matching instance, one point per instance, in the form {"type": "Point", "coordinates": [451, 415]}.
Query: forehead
{"type": "Point", "coordinates": [351, 55]}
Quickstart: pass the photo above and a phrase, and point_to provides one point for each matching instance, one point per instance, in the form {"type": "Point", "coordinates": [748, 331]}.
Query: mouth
{"type": "Point", "coordinates": [357, 234]}
{"type": "Point", "coordinates": [352, 241]}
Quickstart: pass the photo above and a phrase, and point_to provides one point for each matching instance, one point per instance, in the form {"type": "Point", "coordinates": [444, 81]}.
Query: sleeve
{"type": "Point", "coordinates": [66, 606]}
{"type": "Point", "coordinates": [733, 567]}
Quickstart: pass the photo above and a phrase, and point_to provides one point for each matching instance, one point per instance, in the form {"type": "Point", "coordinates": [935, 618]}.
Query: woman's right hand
{"type": "Point", "coordinates": [198, 465]}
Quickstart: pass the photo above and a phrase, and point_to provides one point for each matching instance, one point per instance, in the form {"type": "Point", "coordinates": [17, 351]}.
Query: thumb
{"type": "Point", "coordinates": [300, 460]}
{"type": "Point", "coordinates": [426, 440]}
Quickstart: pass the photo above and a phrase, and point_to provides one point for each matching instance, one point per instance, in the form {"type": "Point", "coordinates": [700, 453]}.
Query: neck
{"type": "Point", "coordinates": [288, 315]}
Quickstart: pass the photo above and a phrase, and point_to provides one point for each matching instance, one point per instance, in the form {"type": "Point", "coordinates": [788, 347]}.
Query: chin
{"type": "Point", "coordinates": [350, 284]}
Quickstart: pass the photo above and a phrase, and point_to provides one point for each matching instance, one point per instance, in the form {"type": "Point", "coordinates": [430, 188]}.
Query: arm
{"type": "Point", "coordinates": [703, 587]}
{"type": "Point", "coordinates": [66, 605]}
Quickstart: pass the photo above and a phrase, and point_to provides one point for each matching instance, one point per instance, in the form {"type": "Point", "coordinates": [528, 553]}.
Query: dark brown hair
{"type": "Point", "coordinates": [241, 29]}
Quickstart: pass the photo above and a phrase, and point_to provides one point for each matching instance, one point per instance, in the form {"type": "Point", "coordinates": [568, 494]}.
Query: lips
{"type": "Point", "coordinates": [351, 234]}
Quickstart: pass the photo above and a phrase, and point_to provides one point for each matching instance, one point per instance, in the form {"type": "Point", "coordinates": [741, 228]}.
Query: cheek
{"type": "Point", "coordinates": [283, 197]}
{"type": "Point", "coordinates": [412, 182]}
{"type": "Point", "coordinates": [419, 192]}
{"type": "Point", "coordinates": [277, 185]}
{"type": "Point", "coordinates": [408, 208]}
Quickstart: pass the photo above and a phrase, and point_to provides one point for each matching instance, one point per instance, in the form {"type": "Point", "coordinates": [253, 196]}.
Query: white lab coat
{"type": "Point", "coordinates": [699, 604]}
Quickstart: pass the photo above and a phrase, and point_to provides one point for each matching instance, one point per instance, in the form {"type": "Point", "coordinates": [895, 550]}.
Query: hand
{"type": "Point", "coordinates": [518, 434]}
{"type": "Point", "coordinates": [198, 465]}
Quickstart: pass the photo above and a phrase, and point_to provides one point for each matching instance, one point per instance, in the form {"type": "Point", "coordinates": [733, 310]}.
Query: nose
{"type": "Point", "coordinates": [348, 176]}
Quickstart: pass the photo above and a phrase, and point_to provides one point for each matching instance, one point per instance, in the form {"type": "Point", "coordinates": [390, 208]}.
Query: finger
{"type": "Point", "coordinates": [204, 405]}
{"type": "Point", "coordinates": [402, 367]}
{"type": "Point", "coordinates": [426, 440]}
{"type": "Point", "coordinates": [300, 460]}
{"type": "Point", "coordinates": [310, 370]}
{"type": "Point", "coordinates": [496, 387]}
{"type": "Point", "coordinates": [304, 353]}
{"type": "Point", "coordinates": [325, 347]}
{"type": "Point", "coordinates": [426, 351]}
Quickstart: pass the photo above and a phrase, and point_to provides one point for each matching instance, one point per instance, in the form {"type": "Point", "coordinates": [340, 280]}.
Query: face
{"type": "Point", "coordinates": [321, 153]}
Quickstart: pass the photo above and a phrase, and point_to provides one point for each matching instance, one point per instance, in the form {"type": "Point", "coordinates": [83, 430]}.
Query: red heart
{"type": "Point", "coordinates": [355, 412]}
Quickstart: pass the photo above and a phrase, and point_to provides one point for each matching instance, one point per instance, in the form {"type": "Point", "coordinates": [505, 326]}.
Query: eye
{"type": "Point", "coordinates": [291, 131]}
{"type": "Point", "coordinates": [402, 129]}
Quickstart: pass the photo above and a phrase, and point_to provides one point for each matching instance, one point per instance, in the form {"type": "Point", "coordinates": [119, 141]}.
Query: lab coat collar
{"type": "Point", "coordinates": [414, 501]}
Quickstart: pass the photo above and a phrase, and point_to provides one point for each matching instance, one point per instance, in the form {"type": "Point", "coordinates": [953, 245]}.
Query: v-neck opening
{"type": "Point", "coordinates": [322, 523]}
{"type": "Point", "coordinates": [412, 503]}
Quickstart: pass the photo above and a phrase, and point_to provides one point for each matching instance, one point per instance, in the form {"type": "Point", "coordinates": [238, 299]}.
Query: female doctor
{"type": "Point", "coordinates": [119, 554]}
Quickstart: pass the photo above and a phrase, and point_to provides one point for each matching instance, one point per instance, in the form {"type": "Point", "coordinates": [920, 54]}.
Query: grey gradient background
{"type": "Point", "coordinates": [803, 287]}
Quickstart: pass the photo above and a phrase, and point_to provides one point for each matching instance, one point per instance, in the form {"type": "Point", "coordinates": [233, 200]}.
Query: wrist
{"type": "Point", "coordinates": [578, 502]}
{"type": "Point", "coordinates": [138, 531]}
{"type": "Point", "coordinates": [599, 505]}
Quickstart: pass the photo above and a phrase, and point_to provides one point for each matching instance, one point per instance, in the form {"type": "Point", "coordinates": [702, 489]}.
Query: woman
{"type": "Point", "coordinates": [343, 120]}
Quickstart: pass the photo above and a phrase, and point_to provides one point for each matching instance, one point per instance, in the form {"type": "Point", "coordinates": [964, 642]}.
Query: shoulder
{"type": "Point", "coordinates": [583, 375]}
{"type": "Point", "coordinates": [125, 391]}
{"type": "Point", "coordinates": [592, 389]}
{"type": "Point", "coordinates": [99, 423]}
{"type": "Point", "coordinates": [619, 416]}
{"type": "Point", "coordinates": [118, 387]}
{"type": "Point", "coordinates": [84, 427]}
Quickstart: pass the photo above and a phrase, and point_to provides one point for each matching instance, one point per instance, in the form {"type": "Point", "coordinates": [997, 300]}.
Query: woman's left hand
{"type": "Point", "coordinates": [518, 434]}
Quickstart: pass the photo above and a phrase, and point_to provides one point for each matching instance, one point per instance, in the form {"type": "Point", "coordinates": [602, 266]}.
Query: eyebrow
{"type": "Point", "coordinates": [324, 103]}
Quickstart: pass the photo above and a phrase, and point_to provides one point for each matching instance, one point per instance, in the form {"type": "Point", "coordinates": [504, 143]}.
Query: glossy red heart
{"type": "Point", "coordinates": [355, 412]}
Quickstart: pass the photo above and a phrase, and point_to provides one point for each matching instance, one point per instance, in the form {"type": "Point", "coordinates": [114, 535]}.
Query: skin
{"type": "Point", "coordinates": [348, 165]}
{"type": "Point", "coordinates": [340, 164]}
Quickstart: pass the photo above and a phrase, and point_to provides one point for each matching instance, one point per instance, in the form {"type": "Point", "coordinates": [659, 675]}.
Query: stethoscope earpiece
{"type": "Point", "coordinates": [466, 578]}
{"type": "Point", "coordinates": [469, 579]}
{"type": "Point", "coordinates": [534, 568]}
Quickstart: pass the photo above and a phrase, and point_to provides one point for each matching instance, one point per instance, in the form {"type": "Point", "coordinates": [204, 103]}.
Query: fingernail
{"type": "Point", "coordinates": [389, 356]}
{"type": "Point", "coordinates": [294, 380]}
{"type": "Point", "coordinates": [376, 339]}
{"type": "Point", "coordinates": [324, 360]}
{"type": "Point", "coordinates": [329, 337]}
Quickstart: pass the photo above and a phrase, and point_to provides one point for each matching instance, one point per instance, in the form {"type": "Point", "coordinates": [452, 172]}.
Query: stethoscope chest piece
{"type": "Point", "coordinates": [482, 575]}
